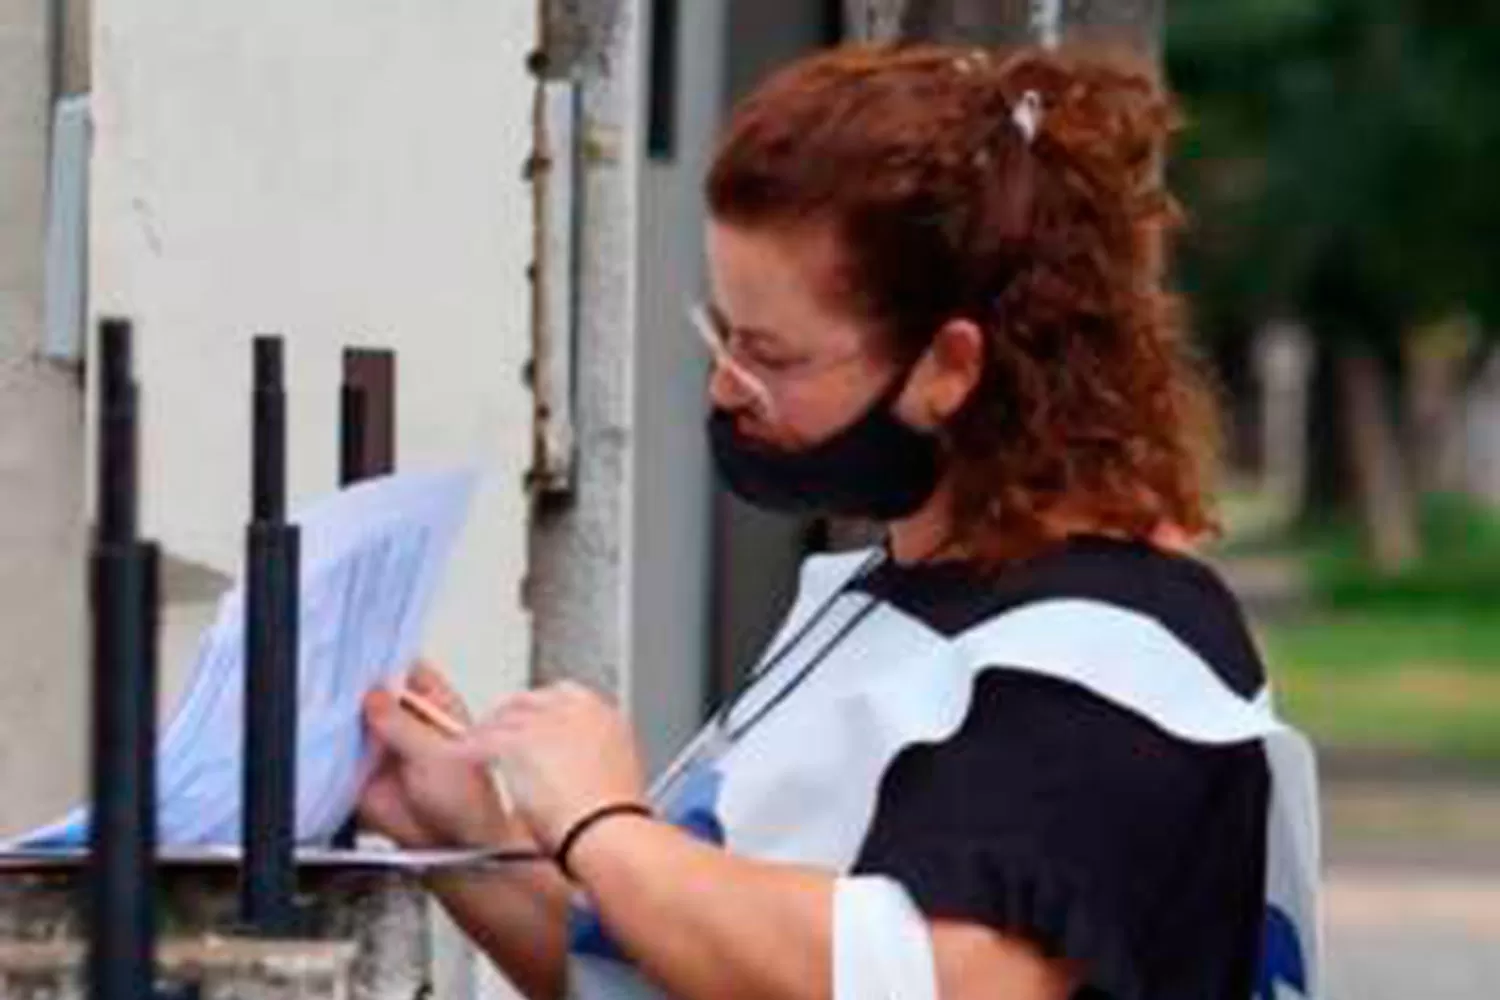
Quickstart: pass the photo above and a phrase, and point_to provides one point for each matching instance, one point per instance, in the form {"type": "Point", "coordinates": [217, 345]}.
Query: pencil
{"type": "Point", "coordinates": [450, 727]}
{"type": "Point", "coordinates": [429, 713]}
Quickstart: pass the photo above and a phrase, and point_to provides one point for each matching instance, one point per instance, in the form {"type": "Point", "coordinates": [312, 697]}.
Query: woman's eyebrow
{"type": "Point", "coordinates": [756, 335]}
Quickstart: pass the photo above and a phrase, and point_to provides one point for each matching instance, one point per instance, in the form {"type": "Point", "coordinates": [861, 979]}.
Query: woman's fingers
{"type": "Point", "coordinates": [429, 682]}
{"type": "Point", "coordinates": [512, 709]}
{"type": "Point", "coordinates": [520, 717]}
{"type": "Point", "coordinates": [400, 731]}
{"type": "Point", "coordinates": [493, 739]}
{"type": "Point", "coordinates": [383, 807]}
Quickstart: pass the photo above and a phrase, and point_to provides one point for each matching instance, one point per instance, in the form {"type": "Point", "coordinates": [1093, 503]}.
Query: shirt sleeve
{"type": "Point", "coordinates": [1055, 816]}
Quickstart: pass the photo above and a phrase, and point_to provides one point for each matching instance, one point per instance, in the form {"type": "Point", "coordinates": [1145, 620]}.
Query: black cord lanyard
{"type": "Point", "coordinates": [873, 561]}
{"type": "Point", "coordinates": [732, 734]}
{"type": "Point", "coordinates": [718, 735]}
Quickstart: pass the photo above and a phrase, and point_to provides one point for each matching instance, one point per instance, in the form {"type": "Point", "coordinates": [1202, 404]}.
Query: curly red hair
{"type": "Point", "coordinates": [1089, 408]}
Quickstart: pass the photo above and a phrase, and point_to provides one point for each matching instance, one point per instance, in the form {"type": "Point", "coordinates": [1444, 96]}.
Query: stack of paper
{"type": "Point", "coordinates": [372, 556]}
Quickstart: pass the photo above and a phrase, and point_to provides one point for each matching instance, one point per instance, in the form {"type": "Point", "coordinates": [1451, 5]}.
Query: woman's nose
{"type": "Point", "coordinates": [725, 391]}
{"type": "Point", "coordinates": [730, 388]}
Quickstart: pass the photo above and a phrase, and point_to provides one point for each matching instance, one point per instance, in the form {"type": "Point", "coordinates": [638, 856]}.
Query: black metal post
{"type": "Point", "coordinates": [354, 415]}
{"type": "Point", "coordinates": [268, 879]}
{"type": "Point", "coordinates": [367, 417]}
{"type": "Point", "coordinates": [367, 429]}
{"type": "Point", "coordinates": [122, 585]}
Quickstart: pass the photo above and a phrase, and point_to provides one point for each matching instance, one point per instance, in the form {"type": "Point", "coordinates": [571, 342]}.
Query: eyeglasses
{"type": "Point", "coordinates": [752, 377]}
{"type": "Point", "coordinates": [724, 360]}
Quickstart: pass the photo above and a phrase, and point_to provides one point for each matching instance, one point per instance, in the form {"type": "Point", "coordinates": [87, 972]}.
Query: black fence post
{"type": "Point", "coordinates": [367, 431]}
{"type": "Point", "coordinates": [122, 591]}
{"type": "Point", "coordinates": [367, 441]}
{"type": "Point", "coordinates": [268, 877]}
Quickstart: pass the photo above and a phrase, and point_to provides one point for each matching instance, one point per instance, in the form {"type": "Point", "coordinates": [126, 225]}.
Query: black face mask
{"type": "Point", "coordinates": [877, 468]}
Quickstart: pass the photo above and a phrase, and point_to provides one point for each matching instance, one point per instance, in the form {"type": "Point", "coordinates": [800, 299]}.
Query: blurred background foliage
{"type": "Point", "coordinates": [1339, 163]}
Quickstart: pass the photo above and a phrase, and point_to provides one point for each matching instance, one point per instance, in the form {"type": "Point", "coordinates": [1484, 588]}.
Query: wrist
{"type": "Point", "coordinates": [598, 827]}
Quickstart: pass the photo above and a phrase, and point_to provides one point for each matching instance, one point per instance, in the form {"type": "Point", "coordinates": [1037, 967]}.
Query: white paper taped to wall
{"type": "Point", "coordinates": [372, 556]}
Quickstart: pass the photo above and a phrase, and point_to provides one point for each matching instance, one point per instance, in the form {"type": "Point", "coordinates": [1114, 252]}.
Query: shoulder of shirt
{"type": "Point", "coordinates": [1179, 593]}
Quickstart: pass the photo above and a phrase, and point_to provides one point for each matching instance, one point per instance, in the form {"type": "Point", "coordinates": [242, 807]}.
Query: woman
{"type": "Point", "coordinates": [1009, 753]}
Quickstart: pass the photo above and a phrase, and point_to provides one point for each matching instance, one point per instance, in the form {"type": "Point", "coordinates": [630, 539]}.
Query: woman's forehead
{"type": "Point", "coordinates": [777, 281]}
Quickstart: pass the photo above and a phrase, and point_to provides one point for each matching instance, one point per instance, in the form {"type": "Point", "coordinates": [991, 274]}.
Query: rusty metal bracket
{"type": "Point", "coordinates": [555, 172]}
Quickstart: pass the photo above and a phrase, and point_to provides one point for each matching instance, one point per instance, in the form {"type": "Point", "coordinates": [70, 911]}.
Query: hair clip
{"type": "Point", "coordinates": [1028, 115]}
{"type": "Point", "coordinates": [971, 60]}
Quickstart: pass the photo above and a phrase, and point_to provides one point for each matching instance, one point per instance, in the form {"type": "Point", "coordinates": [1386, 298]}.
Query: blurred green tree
{"type": "Point", "coordinates": [1339, 169]}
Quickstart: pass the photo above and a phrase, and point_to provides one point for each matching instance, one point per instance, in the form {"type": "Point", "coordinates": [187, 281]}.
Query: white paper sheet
{"type": "Point", "coordinates": [372, 556]}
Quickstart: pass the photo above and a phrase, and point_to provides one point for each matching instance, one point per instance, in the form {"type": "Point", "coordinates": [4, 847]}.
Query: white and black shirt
{"type": "Point", "coordinates": [999, 795]}
{"type": "Point", "coordinates": [1059, 817]}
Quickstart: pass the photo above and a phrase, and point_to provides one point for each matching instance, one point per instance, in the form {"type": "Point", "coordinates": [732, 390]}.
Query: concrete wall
{"type": "Point", "coordinates": [339, 172]}
{"type": "Point", "coordinates": [623, 581]}
{"type": "Point", "coordinates": [582, 546]}
{"type": "Point", "coordinates": [42, 682]}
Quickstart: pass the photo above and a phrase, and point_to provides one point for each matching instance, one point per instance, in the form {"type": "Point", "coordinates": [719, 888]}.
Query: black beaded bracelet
{"type": "Point", "coordinates": [581, 826]}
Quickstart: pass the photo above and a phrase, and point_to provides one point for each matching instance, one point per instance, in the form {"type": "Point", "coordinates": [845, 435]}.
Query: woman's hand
{"type": "Point", "coordinates": [425, 791]}
{"type": "Point", "coordinates": [563, 751]}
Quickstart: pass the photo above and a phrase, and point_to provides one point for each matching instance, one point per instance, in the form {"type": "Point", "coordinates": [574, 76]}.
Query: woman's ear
{"type": "Point", "coordinates": [947, 373]}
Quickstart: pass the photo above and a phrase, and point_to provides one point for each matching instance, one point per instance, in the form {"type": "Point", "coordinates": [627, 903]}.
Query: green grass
{"type": "Point", "coordinates": [1389, 638]}
{"type": "Point", "coordinates": [1420, 682]}
{"type": "Point", "coordinates": [1407, 662]}
{"type": "Point", "coordinates": [1459, 568]}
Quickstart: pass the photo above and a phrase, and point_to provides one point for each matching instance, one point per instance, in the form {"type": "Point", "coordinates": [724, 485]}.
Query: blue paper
{"type": "Point", "coordinates": [372, 556]}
